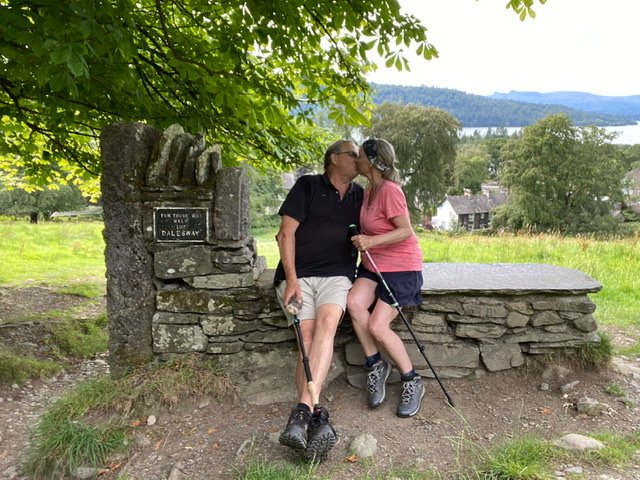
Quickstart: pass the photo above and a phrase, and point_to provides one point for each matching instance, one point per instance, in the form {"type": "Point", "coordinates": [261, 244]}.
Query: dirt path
{"type": "Point", "coordinates": [21, 406]}
{"type": "Point", "coordinates": [205, 439]}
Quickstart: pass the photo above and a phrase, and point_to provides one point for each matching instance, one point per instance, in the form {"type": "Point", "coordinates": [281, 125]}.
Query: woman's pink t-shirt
{"type": "Point", "coordinates": [375, 219]}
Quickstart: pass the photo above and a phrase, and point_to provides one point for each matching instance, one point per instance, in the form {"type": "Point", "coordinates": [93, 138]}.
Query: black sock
{"type": "Point", "coordinates": [373, 359]}
{"type": "Point", "coordinates": [303, 406]}
{"type": "Point", "coordinates": [407, 377]}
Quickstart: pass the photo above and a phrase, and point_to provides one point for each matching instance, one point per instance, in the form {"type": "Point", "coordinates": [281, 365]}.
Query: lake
{"type": "Point", "coordinates": [627, 134]}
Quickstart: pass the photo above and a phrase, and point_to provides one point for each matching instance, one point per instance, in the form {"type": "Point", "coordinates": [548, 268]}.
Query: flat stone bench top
{"type": "Point", "coordinates": [508, 278]}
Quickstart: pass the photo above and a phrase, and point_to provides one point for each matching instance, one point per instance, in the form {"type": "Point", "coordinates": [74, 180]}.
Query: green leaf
{"type": "Point", "coordinates": [77, 65]}
{"type": "Point", "coordinates": [390, 61]}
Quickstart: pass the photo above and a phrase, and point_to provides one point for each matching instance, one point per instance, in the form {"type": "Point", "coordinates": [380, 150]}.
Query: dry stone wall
{"type": "Point", "coordinates": [184, 276]}
{"type": "Point", "coordinates": [477, 317]}
{"type": "Point", "coordinates": [492, 329]}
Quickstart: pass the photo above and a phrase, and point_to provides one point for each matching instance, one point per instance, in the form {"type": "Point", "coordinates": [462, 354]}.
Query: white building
{"type": "Point", "coordinates": [469, 212]}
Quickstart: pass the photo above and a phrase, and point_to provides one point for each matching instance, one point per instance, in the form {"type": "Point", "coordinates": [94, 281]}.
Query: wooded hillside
{"type": "Point", "coordinates": [481, 111]}
{"type": "Point", "coordinates": [628, 106]}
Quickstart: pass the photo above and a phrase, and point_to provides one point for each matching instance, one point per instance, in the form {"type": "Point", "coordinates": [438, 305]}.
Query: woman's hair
{"type": "Point", "coordinates": [335, 147]}
{"type": "Point", "coordinates": [383, 157]}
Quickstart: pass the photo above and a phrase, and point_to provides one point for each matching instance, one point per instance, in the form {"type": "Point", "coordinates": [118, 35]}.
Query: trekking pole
{"type": "Point", "coordinates": [293, 307]}
{"type": "Point", "coordinates": [353, 230]}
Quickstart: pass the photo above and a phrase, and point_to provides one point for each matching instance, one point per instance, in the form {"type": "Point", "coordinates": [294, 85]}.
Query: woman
{"type": "Point", "coordinates": [387, 235]}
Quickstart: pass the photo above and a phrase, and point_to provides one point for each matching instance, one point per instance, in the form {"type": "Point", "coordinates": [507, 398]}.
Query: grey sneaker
{"type": "Point", "coordinates": [376, 382]}
{"type": "Point", "coordinates": [322, 436]}
{"type": "Point", "coordinates": [295, 433]}
{"type": "Point", "coordinates": [411, 399]}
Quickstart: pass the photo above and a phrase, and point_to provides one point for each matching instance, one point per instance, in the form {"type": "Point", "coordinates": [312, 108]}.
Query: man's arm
{"type": "Point", "coordinates": [286, 238]}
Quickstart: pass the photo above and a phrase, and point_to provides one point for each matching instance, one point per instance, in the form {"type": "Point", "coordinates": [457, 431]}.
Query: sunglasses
{"type": "Point", "coordinates": [351, 154]}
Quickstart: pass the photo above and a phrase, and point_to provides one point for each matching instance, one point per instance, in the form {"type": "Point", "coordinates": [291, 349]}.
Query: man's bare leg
{"type": "Point", "coordinates": [319, 348]}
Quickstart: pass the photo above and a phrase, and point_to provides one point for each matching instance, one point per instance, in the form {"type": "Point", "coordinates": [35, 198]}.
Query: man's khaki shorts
{"type": "Point", "coordinates": [317, 291]}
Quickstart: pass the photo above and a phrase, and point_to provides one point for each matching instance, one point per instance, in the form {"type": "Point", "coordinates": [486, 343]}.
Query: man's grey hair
{"type": "Point", "coordinates": [336, 147]}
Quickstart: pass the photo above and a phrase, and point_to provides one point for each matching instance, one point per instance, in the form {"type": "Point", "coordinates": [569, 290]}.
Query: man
{"type": "Point", "coordinates": [317, 266]}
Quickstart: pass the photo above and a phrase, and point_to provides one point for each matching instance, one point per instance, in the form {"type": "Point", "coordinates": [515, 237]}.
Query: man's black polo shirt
{"type": "Point", "coordinates": [323, 248]}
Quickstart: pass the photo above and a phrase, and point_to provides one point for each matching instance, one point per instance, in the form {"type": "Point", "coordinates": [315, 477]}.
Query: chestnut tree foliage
{"type": "Point", "coordinates": [248, 73]}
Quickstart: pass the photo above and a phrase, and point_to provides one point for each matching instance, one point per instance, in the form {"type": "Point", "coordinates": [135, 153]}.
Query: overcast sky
{"type": "Point", "coordinates": [577, 45]}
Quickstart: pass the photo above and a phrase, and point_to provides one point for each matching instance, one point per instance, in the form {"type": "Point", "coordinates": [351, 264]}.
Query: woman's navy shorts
{"type": "Point", "coordinates": [405, 286]}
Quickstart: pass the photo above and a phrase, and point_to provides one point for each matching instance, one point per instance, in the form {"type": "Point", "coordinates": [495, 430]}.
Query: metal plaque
{"type": "Point", "coordinates": [181, 224]}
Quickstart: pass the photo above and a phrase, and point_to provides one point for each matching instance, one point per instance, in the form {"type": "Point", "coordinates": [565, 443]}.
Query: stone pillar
{"type": "Point", "coordinates": [182, 269]}
{"type": "Point", "coordinates": [125, 150]}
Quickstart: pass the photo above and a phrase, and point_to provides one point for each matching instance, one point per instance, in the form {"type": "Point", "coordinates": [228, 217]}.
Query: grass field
{"type": "Point", "coordinates": [68, 253]}
{"type": "Point", "coordinates": [52, 253]}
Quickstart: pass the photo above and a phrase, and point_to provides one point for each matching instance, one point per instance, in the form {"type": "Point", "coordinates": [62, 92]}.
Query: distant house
{"type": "Point", "coordinates": [469, 212]}
{"type": "Point", "coordinates": [492, 187]}
{"type": "Point", "coordinates": [631, 187]}
{"type": "Point", "coordinates": [288, 179]}
{"type": "Point", "coordinates": [88, 212]}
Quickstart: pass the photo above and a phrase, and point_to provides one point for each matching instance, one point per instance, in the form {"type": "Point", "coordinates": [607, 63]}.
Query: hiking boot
{"type": "Point", "coordinates": [295, 433]}
{"type": "Point", "coordinates": [376, 382]}
{"type": "Point", "coordinates": [322, 436]}
{"type": "Point", "coordinates": [411, 399]}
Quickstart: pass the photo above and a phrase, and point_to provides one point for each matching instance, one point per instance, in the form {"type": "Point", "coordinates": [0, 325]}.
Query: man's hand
{"type": "Point", "coordinates": [294, 305]}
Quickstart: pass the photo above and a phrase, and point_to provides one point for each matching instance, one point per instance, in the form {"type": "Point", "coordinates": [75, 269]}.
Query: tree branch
{"type": "Point", "coordinates": [179, 56]}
